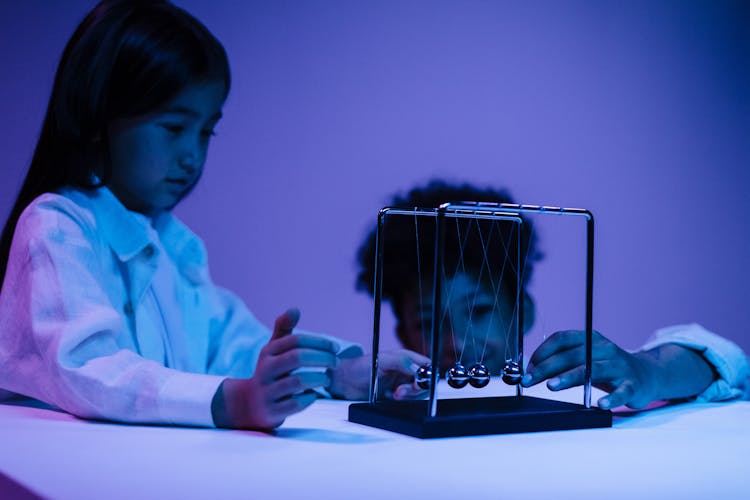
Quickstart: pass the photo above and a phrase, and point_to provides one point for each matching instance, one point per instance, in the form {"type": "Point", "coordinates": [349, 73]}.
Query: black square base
{"type": "Point", "coordinates": [478, 416]}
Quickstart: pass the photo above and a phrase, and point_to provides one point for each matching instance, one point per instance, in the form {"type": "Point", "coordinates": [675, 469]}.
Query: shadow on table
{"type": "Point", "coordinates": [18, 400]}
{"type": "Point", "coordinates": [657, 414]}
{"type": "Point", "coordinates": [9, 488]}
{"type": "Point", "coordinates": [325, 436]}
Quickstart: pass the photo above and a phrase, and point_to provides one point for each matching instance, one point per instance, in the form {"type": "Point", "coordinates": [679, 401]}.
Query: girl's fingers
{"type": "Point", "coordinates": [298, 358]}
{"type": "Point", "coordinates": [294, 404]}
{"type": "Point", "coordinates": [285, 323]}
{"type": "Point", "coordinates": [297, 383]}
{"type": "Point", "coordinates": [290, 342]}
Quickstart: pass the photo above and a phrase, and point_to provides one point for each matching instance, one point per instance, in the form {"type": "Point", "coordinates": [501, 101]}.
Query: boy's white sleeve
{"type": "Point", "coordinates": [727, 359]}
{"type": "Point", "coordinates": [64, 341]}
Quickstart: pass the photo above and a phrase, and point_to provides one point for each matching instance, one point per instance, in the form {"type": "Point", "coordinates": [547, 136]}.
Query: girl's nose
{"type": "Point", "coordinates": [191, 161]}
{"type": "Point", "coordinates": [188, 164]}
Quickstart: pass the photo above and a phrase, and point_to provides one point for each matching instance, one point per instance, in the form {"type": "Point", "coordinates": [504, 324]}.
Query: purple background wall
{"type": "Point", "coordinates": [639, 111]}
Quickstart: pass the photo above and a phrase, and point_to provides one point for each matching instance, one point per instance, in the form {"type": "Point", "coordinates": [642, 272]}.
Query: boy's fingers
{"type": "Point", "coordinates": [408, 391]}
{"type": "Point", "coordinates": [567, 380]}
{"type": "Point", "coordinates": [555, 365]}
{"type": "Point", "coordinates": [620, 396]}
{"type": "Point", "coordinates": [403, 361]}
{"type": "Point", "coordinates": [557, 342]}
{"type": "Point", "coordinates": [285, 323]}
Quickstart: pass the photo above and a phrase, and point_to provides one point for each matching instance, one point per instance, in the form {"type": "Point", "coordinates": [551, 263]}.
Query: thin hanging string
{"type": "Point", "coordinates": [477, 286]}
{"type": "Point", "coordinates": [455, 271]}
{"type": "Point", "coordinates": [507, 252]}
{"type": "Point", "coordinates": [469, 332]}
{"type": "Point", "coordinates": [496, 288]}
{"type": "Point", "coordinates": [518, 297]}
{"type": "Point", "coordinates": [446, 312]}
{"type": "Point", "coordinates": [419, 282]}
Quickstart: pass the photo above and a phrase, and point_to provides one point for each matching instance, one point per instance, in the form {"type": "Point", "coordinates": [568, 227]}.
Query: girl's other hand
{"type": "Point", "coordinates": [276, 391]}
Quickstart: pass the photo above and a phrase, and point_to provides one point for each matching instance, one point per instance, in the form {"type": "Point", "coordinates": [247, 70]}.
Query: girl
{"type": "Point", "coordinates": [106, 308]}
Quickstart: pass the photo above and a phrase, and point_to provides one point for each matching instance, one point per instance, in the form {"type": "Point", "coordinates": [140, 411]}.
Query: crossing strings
{"type": "Point", "coordinates": [480, 278]}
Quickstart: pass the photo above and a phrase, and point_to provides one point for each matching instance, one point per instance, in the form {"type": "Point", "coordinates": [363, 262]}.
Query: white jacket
{"type": "Point", "coordinates": [108, 316]}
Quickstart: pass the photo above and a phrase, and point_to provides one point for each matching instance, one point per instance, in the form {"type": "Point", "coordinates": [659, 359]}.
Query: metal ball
{"type": "Point", "coordinates": [479, 376]}
{"type": "Point", "coordinates": [512, 373]}
{"type": "Point", "coordinates": [423, 376]}
{"type": "Point", "coordinates": [457, 376]}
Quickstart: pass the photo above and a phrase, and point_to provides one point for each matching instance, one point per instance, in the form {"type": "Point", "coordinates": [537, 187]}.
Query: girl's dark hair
{"type": "Point", "coordinates": [126, 58]}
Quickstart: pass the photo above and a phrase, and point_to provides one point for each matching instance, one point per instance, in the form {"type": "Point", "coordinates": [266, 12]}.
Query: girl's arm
{"type": "Point", "coordinates": [64, 338]}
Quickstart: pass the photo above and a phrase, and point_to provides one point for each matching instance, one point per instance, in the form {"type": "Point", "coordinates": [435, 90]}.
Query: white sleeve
{"type": "Point", "coordinates": [728, 360]}
{"type": "Point", "coordinates": [63, 341]}
{"type": "Point", "coordinates": [236, 336]}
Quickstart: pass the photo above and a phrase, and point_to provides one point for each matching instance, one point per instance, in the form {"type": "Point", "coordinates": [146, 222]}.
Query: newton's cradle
{"type": "Point", "coordinates": [434, 417]}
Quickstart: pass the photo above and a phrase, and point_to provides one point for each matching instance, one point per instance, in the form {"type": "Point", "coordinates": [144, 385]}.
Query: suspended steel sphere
{"type": "Point", "coordinates": [479, 376]}
{"type": "Point", "coordinates": [423, 376]}
{"type": "Point", "coordinates": [457, 376]}
{"type": "Point", "coordinates": [512, 373]}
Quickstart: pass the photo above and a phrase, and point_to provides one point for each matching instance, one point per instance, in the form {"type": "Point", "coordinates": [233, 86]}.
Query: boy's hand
{"type": "Point", "coordinates": [351, 379]}
{"type": "Point", "coordinates": [274, 392]}
{"type": "Point", "coordinates": [631, 379]}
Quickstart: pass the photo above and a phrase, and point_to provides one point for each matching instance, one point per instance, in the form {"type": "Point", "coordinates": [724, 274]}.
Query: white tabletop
{"type": "Point", "coordinates": [695, 450]}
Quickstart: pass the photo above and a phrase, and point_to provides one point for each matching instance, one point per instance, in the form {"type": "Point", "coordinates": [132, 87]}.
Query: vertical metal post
{"type": "Point", "coordinates": [437, 285]}
{"type": "Point", "coordinates": [519, 300]}
{"type": "Point", "coordinates": [378, 296]}
{"type": "Point", "coordinates": [589, 307]}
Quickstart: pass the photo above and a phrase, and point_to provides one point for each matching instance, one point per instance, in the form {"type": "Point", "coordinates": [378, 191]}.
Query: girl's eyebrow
{"type": "Point", "coordinates": [182, 110]}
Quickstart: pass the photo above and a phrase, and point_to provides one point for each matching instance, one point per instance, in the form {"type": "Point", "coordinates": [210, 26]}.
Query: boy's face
{"type": "Point", "coordinates": [474, 323]}
{"type": "Point", "coordinates": [157, 158]}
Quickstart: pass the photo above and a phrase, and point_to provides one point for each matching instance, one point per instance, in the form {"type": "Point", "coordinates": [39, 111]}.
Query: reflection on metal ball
{"type": "Point", "coordinates": [479, 376]}
{"type": "Point", "coordinates": [512, 373]}
{"type": "Point", "coordinates": [423, 376]}
{"type": "Point", "coordinates": [457, 376]}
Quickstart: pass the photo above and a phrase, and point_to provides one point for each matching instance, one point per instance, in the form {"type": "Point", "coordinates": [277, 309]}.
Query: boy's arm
{"type": "Point", "coordinates": [728, 362]}
{"type": "Point", "coordinates": [669, 367]}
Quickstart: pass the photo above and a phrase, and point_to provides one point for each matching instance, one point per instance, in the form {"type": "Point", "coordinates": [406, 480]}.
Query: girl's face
{"type": "Point", "coordinates": [157, 158]}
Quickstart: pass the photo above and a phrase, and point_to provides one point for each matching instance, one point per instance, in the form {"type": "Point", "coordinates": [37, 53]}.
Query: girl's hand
{"type": "Point", "coordinates": [351, 379]}
{"type": "Point", "coordinates": [275, 391]}
{"type": "Point", "coordinates": [631, 379]}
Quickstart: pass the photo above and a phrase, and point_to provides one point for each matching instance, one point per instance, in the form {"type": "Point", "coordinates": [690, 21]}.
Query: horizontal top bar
{"type": "Point", "coordinates": [458, 214]}
{"type": "Point", "coordinates": [516, 208]}
{"type": "Point", "coordinates": [486, 209]}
